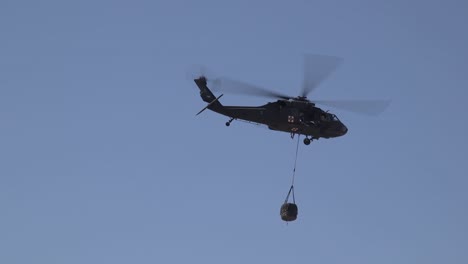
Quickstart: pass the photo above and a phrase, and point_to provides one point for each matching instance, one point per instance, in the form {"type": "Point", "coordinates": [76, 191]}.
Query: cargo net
{"type": "Point", "coordinates": [289, 210]}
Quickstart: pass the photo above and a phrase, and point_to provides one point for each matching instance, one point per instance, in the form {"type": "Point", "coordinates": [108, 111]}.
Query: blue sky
{"type": "Point", "coordinates": [103, 159]}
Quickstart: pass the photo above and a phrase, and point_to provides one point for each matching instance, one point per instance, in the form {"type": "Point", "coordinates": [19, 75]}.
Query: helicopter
{"type": "Point", "coordinates": [295, 115]}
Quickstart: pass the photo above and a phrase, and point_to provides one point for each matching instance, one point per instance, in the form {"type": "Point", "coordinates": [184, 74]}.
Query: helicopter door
{"type": "Point", "coordinates": [293, 116]}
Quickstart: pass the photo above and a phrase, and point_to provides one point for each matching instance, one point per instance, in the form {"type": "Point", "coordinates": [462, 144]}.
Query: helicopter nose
{"type": "Point", "coordinates": [343, 129]}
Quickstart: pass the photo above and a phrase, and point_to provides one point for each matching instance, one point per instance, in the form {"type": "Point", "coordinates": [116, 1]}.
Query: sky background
{"type": "Point", "coordinates": [103, 159]}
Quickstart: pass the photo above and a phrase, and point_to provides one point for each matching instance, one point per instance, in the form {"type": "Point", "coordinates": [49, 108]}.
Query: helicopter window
{"type": "Point", "coordinates": [329, 117]}
{"type": "Point", "coordinates": [323, 117]}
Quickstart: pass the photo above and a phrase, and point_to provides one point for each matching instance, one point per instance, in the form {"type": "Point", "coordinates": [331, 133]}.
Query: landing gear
{"type": "Point", "coordinates": [307, 141]}
{"type": "Point", "coordinates": [228, 123]}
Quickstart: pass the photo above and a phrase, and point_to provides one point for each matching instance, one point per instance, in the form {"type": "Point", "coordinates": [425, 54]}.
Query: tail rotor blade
{"type": "Point", "coordinates": [197, 70]}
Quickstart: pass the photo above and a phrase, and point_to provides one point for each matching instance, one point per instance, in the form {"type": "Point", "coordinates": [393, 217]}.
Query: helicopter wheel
{"type": "Point", "coordinates": [306, 141]}
{"type": "Point", "coordinates": [228, 123]}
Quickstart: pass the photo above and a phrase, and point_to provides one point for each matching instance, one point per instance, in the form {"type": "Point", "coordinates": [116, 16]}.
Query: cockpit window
{"type": "Point", "coordinates": [329, 117]}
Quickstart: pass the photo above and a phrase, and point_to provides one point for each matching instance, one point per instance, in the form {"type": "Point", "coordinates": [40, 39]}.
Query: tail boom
{"type": "Point", "coordinates": [208, 96]}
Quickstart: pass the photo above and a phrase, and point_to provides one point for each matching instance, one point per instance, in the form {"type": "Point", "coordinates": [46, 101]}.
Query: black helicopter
{"type": "Point", "coordinates": [294, 115]}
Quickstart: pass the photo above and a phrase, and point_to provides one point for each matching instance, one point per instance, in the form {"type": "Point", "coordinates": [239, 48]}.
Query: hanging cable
{"type": "Point", "coordinates": [289, 193]}
{"type": "Point", "coordinates": [288, 210]}
{"type": "Point", "coordinates": [291, 190]}
{"type": "Point", "coordinates": [295, 160]}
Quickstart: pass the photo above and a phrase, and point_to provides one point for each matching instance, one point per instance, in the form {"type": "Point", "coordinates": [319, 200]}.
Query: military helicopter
{"type": "Point", "coordinates": [294, 115]}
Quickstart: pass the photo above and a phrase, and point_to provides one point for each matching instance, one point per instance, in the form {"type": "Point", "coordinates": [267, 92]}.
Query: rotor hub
{"type": "Point", "coordinates": [302, 98]}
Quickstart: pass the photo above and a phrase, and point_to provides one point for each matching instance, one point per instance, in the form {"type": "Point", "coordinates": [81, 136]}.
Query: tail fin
{"type": "Point", "coordinates": [208, 96]}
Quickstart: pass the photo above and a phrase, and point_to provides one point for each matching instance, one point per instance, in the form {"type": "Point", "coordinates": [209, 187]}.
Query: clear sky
{"type": "Point", "coordinates": [103, 159]}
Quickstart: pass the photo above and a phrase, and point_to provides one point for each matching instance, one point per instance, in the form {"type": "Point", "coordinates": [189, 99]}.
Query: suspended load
{"type": "Point", "coordinates": [289, 210]}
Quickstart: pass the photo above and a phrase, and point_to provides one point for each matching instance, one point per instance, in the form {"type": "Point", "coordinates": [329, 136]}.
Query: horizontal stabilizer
{"type": "Point", "coordinates": [212, 102]}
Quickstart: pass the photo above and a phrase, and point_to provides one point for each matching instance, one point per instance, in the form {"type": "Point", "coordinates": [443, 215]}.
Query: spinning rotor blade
{"type": "Point", "coordinates": [316, 69]}
{"type": "Point", "coordinates": [237, 87]}
{"type": "Point", "coordinates": [197, 70]}
{"type": "Point", "coordinates": [367, 107]}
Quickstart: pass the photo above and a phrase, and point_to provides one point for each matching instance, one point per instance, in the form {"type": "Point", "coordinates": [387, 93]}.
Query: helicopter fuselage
{"type": "Point", "coordinates": [291, 116]}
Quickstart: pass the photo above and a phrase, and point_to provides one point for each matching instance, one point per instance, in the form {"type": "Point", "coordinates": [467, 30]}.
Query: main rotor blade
{"type": "Point", "coordinates": [367, 107]}
{"type": "Point", "coordinates": [237, 87]}
{"type": "Point", "coordinates": [316, 69]}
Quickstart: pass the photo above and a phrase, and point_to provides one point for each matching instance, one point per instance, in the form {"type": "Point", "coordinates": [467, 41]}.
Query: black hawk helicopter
{"type": "Point", "coordinates": [294, 115]}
